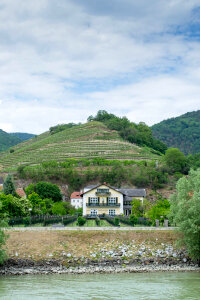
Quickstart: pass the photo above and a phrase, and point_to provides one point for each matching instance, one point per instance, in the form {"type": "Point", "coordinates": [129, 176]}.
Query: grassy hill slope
{"type": "Point", "coordinates": [89, 140]}
{"type": "Point", "coordinates": [182, 132]}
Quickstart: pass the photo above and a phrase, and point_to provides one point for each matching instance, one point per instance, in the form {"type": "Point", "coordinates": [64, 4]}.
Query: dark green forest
{"type": "Point", "coordinates": [6, 140]}
{"type": "Point", "coordinates": [182, 132]}
{"type": "Point", "coordinates": [22, 135]}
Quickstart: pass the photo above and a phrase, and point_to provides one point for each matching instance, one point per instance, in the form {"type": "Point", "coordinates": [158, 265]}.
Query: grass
{"type": "Point", "coordinates": [90, 140]}
{"type": "Point", "coordinates": [91, 223]}
{"type": "Point", "coordinates": [40, 245]}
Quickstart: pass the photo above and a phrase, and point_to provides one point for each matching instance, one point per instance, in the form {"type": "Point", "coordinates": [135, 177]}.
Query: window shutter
{"type": "Point", "coordinates": [107, 200]}
{"type": "Point", "coordinates": [116, 199]}
{"type": "Point", "coordinates": [98, 199]}
{"type": "Point", "coordinates": [88, 199]}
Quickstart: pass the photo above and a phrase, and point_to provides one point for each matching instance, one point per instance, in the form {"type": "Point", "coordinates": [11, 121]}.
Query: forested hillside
{"type": "Point", "coordinates": [6, 140]}
{"type": "Point", "coordinates": [22, 135]}
{"type": "Point", "coordinates": [182, 132]}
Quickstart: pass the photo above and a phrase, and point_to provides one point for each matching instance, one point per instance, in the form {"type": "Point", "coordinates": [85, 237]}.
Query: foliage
{"type": "Point", "coordinates": [77, 173]}
{"type": "Point", "coordinates": [45, 190]}
{"type": "Point", "coordinates": [185, 211]}
{"type": "Point", "coordinates": [159, 211]}
{"type": "Point", "coordinates": [134, 133]}
{"type": "Point", "coordinates": [81, 221]}
{"type": "Point", "coordinates": [116, 221]}
{"type": "Point", "coordinates": [176, 161]}
{"type": "Point", "coordinates": [137, 208]}
{"type": "Point", "coordinates": [8, 186]}
{"type": "Point", "coordinates": [40, 206]}
{"type": "Point", "coordinates": [182, 132]}
{"type": "Point", "coordinates": [133, 219]}
{"type": "Point", "coordinates": [58, 208]}
{"type": "Point", "coordinates": [3, 238]}
{"type": "Point", "coordinates": [12, 206]}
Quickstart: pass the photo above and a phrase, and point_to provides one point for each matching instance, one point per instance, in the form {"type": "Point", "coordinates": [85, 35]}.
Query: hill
{"type": "Point", "coordinates": [7, 141]}
{"type": "Point", "coordinates": [182, 132]}
{"type": "Point", "coordinates": [22, 135]}
{"type": "Point", "coordinates": [89, 140]}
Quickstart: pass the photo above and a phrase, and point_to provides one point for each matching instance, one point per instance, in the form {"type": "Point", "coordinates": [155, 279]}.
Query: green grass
{"type": "Point", "coordinates": [89, 140]}
{"type": "Point", "coordinates": [91, 223]}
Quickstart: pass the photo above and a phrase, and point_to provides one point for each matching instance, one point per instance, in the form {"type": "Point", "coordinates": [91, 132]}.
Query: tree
{"type": "Point", "coordinates": [159, 211]}
{"type": "Point", "coordinates": [45, 190]}
{"type": "Point", "coordinates": [58, 208]}
{"type": "Point", "coordinates": [137, 208]}
{"type": "Point", "coordinates": [176, 161]}
{"type": "Point", "coordinates": [185, 212]}
{"type": "Point", "coordinates": [8, 186]}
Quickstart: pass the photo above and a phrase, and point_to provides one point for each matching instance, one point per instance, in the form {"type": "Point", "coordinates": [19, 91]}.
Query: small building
{"type": "Point", "coordinates": [103, 199]}
{"type": "Point", "coordinates": [76, 200]}
{"type": "Point", "coordinates": [20, 192]}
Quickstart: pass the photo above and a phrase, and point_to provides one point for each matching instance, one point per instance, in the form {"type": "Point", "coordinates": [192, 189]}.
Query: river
{"type": "Point", "coordinates": [135, 286]}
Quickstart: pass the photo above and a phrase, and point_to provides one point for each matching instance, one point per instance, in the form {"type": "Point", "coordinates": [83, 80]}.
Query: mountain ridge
{"type": "Point", "coordinates": [181, 132]}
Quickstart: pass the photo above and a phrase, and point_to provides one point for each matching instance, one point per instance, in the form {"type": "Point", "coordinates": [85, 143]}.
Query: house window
{"type": "Point", "coordinates": [93, 212]}
{"type": "Point", "coordinates": [111, 212]}
{"type": "Point", "coordinates": [112, 200]}
{"type": "Point", "coordinates": [93, 200]}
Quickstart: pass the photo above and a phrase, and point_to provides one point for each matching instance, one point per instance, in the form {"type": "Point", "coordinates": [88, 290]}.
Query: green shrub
{"type": "Point", "coordinates": [133, 220]}
{"type": "Point", "coordinates": [116, 221]}
{"type": "Point", "coordinates": [81, 221]}
{"type": "Point", "coordinates": [97, 220]}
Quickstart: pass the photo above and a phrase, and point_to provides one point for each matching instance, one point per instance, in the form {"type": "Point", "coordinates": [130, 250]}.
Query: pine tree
{"type": "Point", "coordinates": [8, 186]}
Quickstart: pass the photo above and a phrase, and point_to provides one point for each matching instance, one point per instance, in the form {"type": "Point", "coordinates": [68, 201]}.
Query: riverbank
{"type": "Point", "coordinates": [78, 252]}
{"type": "Point", "coordinates": [25, 267]}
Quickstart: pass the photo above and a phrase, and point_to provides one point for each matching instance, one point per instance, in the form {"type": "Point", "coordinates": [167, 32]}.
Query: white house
{"type": "Point", "coordinates": [76, 200]}
{"type": "Point", "coordinates": [104, 199]}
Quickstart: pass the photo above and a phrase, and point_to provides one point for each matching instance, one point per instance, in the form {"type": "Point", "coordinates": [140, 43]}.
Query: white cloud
{"type": "Point", "coordinates": [56, 57]}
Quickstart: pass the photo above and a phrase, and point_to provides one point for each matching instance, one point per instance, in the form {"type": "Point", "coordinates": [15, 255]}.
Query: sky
{"type": "Point", "coordinates": [63, 60]}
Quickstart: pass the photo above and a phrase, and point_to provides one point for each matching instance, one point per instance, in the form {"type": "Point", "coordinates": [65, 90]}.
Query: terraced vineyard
{"type": "Point", "coordinates": [90, 140]}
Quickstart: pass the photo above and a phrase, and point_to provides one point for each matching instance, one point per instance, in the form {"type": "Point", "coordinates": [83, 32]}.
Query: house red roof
{"type": "Point", "coordinates": [75, 195]}
{"type": "Point", "coordinates": [20, 192]}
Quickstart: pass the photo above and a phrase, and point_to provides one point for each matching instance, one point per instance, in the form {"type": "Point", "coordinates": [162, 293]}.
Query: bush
{"type": "Point", "coordinates": [133, 220]}
{"type": "Point", "coordinates": [97, 220]}
{"type": "Point", "coordinates": [69, 220]}
{"type": "Point", "coordinates": [54, 220]}
{"type": "Point", "coordinates": [81, 221]}
{"type": "Point", "coordinates": [116, 221]}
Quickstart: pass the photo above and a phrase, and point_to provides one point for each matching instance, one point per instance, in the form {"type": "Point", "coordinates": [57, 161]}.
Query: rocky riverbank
{"type": "Point", "coordinates": [94, 252]}
{"type": "Point", "coordinates": [22, 267]}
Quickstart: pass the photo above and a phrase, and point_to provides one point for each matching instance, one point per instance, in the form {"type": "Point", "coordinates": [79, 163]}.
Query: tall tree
{"type": "Point", "coordinates": [8, 186]}
{"type": "Point", "coordinates": [185, 211]}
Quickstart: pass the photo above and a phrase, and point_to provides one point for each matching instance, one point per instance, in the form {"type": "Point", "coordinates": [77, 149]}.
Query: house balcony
{"type": "Point", "coordinates": [103, 204]}
{"type": "Point", "coordinates": [103, 193]}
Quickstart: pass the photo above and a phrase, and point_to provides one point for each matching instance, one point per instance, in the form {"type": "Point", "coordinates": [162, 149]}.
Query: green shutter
{"type": "Point", "coordinates": [98, 199]}
{"type": "Point", "coordinates": [88, 199]}
{"type": "Point", "coordinates": [116, 199]}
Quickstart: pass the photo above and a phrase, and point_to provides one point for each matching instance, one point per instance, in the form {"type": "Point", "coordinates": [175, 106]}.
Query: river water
{"type": "Point", "coordinates": [102, 286]}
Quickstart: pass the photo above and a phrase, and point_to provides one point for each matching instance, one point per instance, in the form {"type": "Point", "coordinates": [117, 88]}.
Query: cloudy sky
{"type": "Point", "coordinates": [63, 60]}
